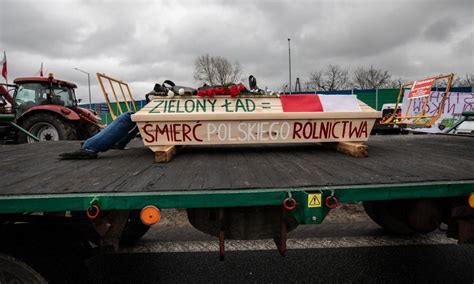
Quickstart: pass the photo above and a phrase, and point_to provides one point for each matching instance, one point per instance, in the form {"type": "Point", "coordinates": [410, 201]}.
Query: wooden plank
{"type": "Point", "coordinates": [164, 154]}
{"type": "Point", "coordinates": [393, 159]}
{"type": "Point", "coordinates": [354, 149]}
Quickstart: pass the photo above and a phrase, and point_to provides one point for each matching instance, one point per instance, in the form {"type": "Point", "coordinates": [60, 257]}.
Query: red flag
{"type": "Point", "coordinates": [40, 72]}
{"type": "Point", "coordinates": [4, 66]}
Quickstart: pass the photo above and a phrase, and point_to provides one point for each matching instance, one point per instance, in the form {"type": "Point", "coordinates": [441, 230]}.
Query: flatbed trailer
{"type": "Point", "coordinates": [422, 177]}
{"type": "Point", "coordinates": [35, 180]}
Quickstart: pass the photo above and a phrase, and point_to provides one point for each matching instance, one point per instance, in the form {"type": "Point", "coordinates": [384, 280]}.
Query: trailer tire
{"type": "Point", "coordinates": [241, 223]}
{"type": "Point", "coordinates": [390, 215]}
{"type": "Point", "coordinates": [407, 216]}
{"type": "Point", "coordinates": [14, 271]}
{"type": "Point", "coordinates": [134, 229]}
{"type": "Point", "coordinates": [47, 127]}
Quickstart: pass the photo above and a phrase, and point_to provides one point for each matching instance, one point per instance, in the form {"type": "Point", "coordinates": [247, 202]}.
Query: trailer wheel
{"type": "Point", "coordinates": [241, 223]}
{"type": "Point", "coordinates": [134, 229]}
{"type": "Point", "coordinates": [390, 215]}
{"type": "Point", "coordinates": [47, 127]}
{"type": "Point", "coordinates": [14, 271]}
{"type": "Point", "coordinates": [407, 216]}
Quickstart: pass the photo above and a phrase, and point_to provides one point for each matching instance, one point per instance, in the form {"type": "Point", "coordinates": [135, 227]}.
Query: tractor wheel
{"type": "Point", "coordinates": [88, 130]}
{"type": "Point", "coordinates": [47, 127]}
{"type": "Point", "coordinates": [134, 229]}
{"type": "Point", "coordinates": [15, 271]}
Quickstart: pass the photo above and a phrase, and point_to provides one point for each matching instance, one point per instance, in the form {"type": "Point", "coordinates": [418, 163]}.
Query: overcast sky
{"type": "Point", "coordinates": [143, 42]}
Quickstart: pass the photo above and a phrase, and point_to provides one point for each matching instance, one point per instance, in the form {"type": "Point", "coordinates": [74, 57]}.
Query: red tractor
{"type": "Point", "coordinates": [47, 108]}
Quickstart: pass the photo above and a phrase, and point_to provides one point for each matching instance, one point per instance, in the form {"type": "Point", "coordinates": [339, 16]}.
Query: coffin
{"type": "Point", "coordinates": [246, 120]}
{"type": "Point", "coordinates": [249, 120]}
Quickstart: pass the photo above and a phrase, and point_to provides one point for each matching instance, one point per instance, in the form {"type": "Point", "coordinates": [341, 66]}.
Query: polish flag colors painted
{"type": "Point", "coordinates": [319, 103]}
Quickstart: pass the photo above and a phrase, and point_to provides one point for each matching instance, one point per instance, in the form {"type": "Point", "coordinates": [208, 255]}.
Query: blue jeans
{"type": "Point", "coordinates": [118, 133]}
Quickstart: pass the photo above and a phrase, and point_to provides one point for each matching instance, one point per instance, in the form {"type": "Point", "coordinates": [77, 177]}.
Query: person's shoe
{"type": "Point", "coordinates": [78, 155]}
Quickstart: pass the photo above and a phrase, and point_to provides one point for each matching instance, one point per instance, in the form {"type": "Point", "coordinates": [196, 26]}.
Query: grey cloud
{"type": "Point", "coordinates": [143, 42]}
{"type": "Point", "coordinates": [441, 29]}
{"type": "Point", "coordinates": [465, 47]}
{"type": "Point", "coordinates": [27, 27]}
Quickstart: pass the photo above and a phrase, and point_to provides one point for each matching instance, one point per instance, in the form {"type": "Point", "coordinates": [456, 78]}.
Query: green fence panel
{"type": "Point", "coordinates": [387, 96]}
{"type": "Point", "coordinates": [376, 99]}
{"type": "Point", "coordinates": [106, 118]}
{"type": "Point", "coordinates": [368, 98]}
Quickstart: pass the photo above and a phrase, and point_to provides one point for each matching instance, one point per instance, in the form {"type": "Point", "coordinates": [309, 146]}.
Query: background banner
{"type": "Point", "coordinates": [455, 104]}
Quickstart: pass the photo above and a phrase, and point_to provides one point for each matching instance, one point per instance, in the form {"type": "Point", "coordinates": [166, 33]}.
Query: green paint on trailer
{"type": "Point", "coordinates": [234, 198]}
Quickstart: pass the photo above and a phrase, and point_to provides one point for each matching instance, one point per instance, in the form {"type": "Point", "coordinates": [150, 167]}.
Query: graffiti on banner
{"type": "Point", "coordinates": [455, 105]}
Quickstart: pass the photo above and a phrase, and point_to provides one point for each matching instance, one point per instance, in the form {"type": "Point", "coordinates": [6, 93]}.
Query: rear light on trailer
{"type": "Point", "coordinates": [150, 215]}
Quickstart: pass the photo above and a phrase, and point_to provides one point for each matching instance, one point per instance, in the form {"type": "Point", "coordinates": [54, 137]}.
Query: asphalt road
{"type": "Point", "coordinates": [347, 248]}
{"type": "Point", "coordinates": [389, 264]}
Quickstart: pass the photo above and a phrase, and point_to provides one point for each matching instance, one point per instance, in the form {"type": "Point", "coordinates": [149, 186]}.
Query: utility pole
{"type": "Point", "coordinates": [89, 83]}
{"type": "Point", "coordinates": [289, 63]}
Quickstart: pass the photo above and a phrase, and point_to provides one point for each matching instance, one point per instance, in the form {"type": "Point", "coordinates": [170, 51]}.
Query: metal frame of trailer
{"type": "Point", "coordinates": [310, 197]}
{"type": "Point", "coordinates": [234, 192]}
{"type": "Point", "coordinates": [238, 198]}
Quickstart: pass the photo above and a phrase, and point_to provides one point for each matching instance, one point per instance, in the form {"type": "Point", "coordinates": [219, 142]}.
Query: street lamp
{"type": "Point", "coordinates": [289, 63]}
{"type": "Point", "coordinates": [89, 83]}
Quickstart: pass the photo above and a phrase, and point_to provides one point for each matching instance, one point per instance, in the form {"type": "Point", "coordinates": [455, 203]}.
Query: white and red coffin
{"type": "Point", "coordinates": [296, 118]}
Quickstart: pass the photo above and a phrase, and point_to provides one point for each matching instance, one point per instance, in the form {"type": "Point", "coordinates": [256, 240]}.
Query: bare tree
{"type": "Point", "coordinates": [314, 81]}
{"type": "Point", "coordinates": [333, 77]}
{"type": "Point", "coordinates": [283, 88]}
{"type": "Point", "coordinates": [458, 81]}
{"type": "Point", "coordinates": [394, 83]}
{"type": "Point", "coordinates": [204, 69]}
{"type": "Point", "coordinates": [371, 78]}
{"type": "Point", "coordinates": [216, 70]}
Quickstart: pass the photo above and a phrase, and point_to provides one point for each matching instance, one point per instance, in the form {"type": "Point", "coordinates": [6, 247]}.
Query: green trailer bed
{"type": "Point", "coordinates": [408, 166]}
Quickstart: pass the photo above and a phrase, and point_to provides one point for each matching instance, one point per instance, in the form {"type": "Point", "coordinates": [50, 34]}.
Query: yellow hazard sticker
{"type": "Point", "coordinates": [314, 200]}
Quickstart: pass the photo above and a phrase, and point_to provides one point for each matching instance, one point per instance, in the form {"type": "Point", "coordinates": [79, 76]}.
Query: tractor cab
{"type": "Point", "coordinates": [47, 108]}
{"type": "Point", "coordinates": [34, 91]}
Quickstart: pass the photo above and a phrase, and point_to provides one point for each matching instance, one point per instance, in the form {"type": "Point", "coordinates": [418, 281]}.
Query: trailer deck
{"type": "Point", "coordinates": [431, 163]}
{"type": "Point", "coordinates": [36, 169]}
